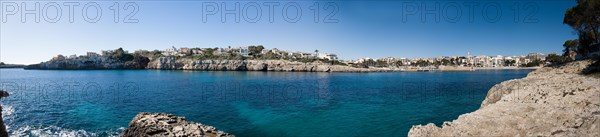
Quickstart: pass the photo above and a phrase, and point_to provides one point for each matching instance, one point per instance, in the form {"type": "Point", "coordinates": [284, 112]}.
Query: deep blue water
{"type": "Point", "coordinates": [102, 102]}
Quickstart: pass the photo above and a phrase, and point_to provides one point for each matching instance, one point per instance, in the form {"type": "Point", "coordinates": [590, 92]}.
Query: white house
{"type": "Point", "coordinates": [170, 51]}
{"type": "Point", "coordinates": [184, 51]}
{"type": "Point", "coordinates": [244, 51]}
{"type": "Point", "coordinates": [327, 56]}
{"type": "Point", "coordinates": [72, 56]}
{"type": "Point", "coordinates": [59, 57]}
{"type": "Point", "coordinates": [92, 54]}
{"type": "Point", "coordinates": [219, 51]}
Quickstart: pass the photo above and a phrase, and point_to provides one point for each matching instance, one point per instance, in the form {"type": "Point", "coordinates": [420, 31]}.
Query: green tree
{"type": "Point", "coordinates": [509, 62]}
{"type": "Point", "coordinates": [120, 55]}
{"type": "Point", "coordinates": [422, 63]}
{"type": "Point", "coordinates": [270, 56]}
{"type": "Point", "coordinates": [209, 51]}
{"type": "Point", "coordinates": [445, 62]}
{"type": "Point", "coordinates": [397, 63]}
{"type": "Point", "coordinates": [255, 50]}
{"type": "Point", "coordinates": [381, 63]}
{"type": "Point", "coordinates": [533, 63]}
{"type": "Point", "coordinates": [584, 18]}
{"type": "Point", "coordinates": [556, 59]}
{"type": "Point", "coordinates": [570, 45]}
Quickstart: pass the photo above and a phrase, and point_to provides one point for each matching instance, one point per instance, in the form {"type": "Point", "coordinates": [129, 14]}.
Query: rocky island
{"type": "Point", "coordinates": [551, 101]}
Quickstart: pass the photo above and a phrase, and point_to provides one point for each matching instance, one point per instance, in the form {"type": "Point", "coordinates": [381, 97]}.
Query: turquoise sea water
{"type": "Point", "coordinates": [102, 102]}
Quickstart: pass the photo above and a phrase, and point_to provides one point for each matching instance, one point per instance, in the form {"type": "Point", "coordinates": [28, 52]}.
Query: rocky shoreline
{"type": "Point", "coordinates": [168, 63]}
{"type": "Point", "coordinates": [163, 124]}
{"type": "Point", "coordinates": [174, 63]}
{"type": "Point", "coordinates": [551, 101]}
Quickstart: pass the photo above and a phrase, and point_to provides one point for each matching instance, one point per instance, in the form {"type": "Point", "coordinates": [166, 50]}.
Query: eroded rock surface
{"type": "Point", "coordinates": [162, 124]}
{"type": "Point", "coordinates": [550, 101]}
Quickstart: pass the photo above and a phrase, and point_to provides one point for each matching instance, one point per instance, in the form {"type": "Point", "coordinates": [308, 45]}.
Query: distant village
{"type": "Point", "coordinates": [259, 52]}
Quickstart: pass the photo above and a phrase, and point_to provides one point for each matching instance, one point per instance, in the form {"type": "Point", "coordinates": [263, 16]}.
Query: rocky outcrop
{"type": "Point", "coordinates": [551, 101]}
{"type": "Point", "coordinates": [11, 66]}
{"type": "Point", "coordinates": [3, 132]}
{"type": "Point", "coordinates": [167, 125]}
{"type": "Point", "coordinates": [90, 63]}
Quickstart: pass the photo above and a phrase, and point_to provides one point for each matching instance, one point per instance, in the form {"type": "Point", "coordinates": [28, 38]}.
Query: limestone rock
{"type": "Point", "coordinates": [551, 101]}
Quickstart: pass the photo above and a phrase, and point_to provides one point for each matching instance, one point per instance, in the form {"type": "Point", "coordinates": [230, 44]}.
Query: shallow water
{"type": "Point", "coordinates": [102, 102]}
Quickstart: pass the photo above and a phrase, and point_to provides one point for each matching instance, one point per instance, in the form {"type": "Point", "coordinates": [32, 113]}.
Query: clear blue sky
{"type": "Point", "coordinates": [364, 28]}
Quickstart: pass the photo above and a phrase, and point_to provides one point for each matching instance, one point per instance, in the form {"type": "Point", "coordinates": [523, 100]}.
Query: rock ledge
{"type": "Point", "coordinates": [551, 101]}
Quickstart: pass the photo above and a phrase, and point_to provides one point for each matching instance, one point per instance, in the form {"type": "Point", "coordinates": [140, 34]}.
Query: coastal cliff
{"type": "Point", "coordinates": [250, 65]}
{"type": "Point", "coordinates": [174, 63]}
{"type": "Point", "coordinates": [163, 124]}
{"type": "Point", "coordinates": [551, 101]}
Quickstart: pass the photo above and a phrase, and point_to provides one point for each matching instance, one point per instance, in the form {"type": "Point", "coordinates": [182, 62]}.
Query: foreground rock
{"type": "Point", "coordinates": [3, 132]}
{"type": "Point", "coordinates": [163, 124]}
{"type": "Point", "coordinates": [548, 102]}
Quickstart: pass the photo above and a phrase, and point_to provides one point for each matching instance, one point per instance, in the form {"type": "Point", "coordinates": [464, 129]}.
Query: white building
{"type": "Point", "coordinates": [362, 60]}
{"type": "Point", "coordinates": [72, 56]}
{"type": "Point", "coordinates": [295, 54]}
{"type": "Point", "coordinates": [170, 51]}
{"type": "Point", "coordinates": [59, 57]}
{"type": "Point", "coordinates": [482, 61]}
{"type": "Point", "coordinates": [244, 51]}
{"type": "Point", "coordinates": [105, 52]}
{"type": "Point", "coordinates": [306, 55]}
{"type": "Point", "coordinates": [219, 51]}
{"type": "Point", "coordinates": [497, 61]}
{"type": "Point", "coordinates": [197, 51]}
{"type": "Point", "coordinates": [536, 56]}
{"type": "Point", "coordinates": [184, 51]}
{"type": "Point", "coordinates": [92, 54]}
{"type": "Point", "coordinates": [328, 56]}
